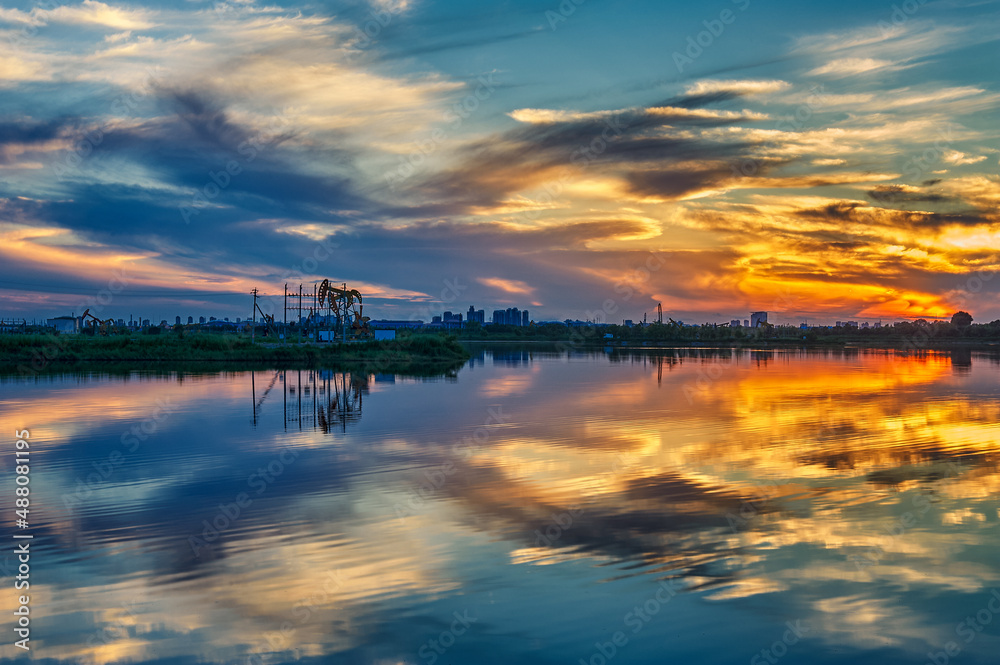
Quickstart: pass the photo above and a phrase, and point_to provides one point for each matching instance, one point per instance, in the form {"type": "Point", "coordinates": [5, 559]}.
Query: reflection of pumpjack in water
{"type": "Point", "coordinates": [660, 361]}
{"type": "Point", "coordinates": [330, 399]}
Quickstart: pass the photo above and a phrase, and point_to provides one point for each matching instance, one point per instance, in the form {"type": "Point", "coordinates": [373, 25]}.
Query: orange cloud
{"type": "Point", "coordinates": [507, 285]}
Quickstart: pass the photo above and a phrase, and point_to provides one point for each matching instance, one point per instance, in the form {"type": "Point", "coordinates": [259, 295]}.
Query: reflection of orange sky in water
{"type": "Point", "coordinates": [55, 416]}
{"type": "Point", "coordinates": [835, 441]}
{"type": "Point", "coordinates": [870, 413]}
{"type": "Point", "coordinates": [838, 436]}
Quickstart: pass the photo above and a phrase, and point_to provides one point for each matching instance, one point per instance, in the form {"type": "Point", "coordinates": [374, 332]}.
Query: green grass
{"type": "Point", "coordinates": [40, 353]}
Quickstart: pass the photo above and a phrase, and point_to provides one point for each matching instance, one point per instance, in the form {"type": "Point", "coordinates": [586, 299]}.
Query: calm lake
{"type": "Point", "coordinates": [634, 506]}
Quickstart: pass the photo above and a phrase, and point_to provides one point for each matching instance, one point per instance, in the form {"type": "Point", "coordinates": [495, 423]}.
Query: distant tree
{"type": "Point", "coordinates": [962, 319]}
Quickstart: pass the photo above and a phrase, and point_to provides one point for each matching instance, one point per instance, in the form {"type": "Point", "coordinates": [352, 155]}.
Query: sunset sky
{"type": "Point", "coordinates": [823, 161]}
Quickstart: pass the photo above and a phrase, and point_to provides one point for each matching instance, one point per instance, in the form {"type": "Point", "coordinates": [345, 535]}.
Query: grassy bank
{"type": "Point", "coordinates": [30, 354]}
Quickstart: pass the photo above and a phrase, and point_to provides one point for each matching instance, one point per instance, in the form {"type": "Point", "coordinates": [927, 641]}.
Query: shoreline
{"type": "Point", "coordinates": [415, 355]}
{"type": "Point", "coordinates": [32, 355]}
{"type": "Point", "coordinates": [901, 345]}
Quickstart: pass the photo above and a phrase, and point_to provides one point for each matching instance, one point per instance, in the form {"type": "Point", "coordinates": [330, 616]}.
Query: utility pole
{"type": "Point", "coordinates": [253, 320]}
{"type": "Point", "coordinates": [284, 315]}
{"type": "Point", "coordinates": [299, 321]}
{"type": "Point", "coordinates": [343, 337]}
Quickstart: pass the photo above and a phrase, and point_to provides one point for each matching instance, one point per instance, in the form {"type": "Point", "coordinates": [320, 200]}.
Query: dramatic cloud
{"type": "Point", "coordinates": [210, 149]}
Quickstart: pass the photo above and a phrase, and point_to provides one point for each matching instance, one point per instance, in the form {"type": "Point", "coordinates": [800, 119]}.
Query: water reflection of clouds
{"type": "Point", "coordinates": [844, 446]}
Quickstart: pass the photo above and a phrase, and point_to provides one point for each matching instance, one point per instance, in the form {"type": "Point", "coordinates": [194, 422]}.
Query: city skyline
{"type": "Point", "coordinates": [609, 312]}
{"type": "Point", "coordinates": [546, 155]}
{"type": "Point", "coordinates": [473, 315]}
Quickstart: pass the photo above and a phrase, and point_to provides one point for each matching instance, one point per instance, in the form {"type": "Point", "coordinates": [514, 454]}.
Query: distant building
{"type": "Point", "coordinates": [435, 319]}
{"type": "Point", "coordinates": [69, 325]}
{"type": "Point", "coordinates": [475, 315]}
{"type": "Point", "coordinates": [746, 323]}
{"type": "Point", "coordinates": [757, 319]}
{"type": "Point", "coordinates": [190, 320]}
{"type": "Point", "coordinates": [211, 318]}
{"type": "Point", "coordinates": [201, 319]}
{"type": "Point", "coordinates": [512, 316]}
{"type": "Point", "coordinates": [177, 321]}
{"type": "Point", "coordinates": [735, 323]}
{"type": "Point", "coordinates": [145, 323]}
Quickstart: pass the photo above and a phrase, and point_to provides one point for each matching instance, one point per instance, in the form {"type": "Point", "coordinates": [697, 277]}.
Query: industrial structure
{"type": "Point", "coordinates": [330, 313]}
{"type": "Point", "coordinates": [67, 325]}
{"type": "Point", "coordinates": [104, 325]}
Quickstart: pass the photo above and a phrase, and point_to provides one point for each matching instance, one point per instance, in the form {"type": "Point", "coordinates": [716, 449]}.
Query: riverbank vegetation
{"type": "Point", "coordinates": [906, 334]}
{"type": "Point", "coordinates": [30, 354]}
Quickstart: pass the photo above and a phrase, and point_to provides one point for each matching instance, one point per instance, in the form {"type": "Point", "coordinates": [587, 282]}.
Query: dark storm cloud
{"type": "Point", "coordinates": [200, 148]}
{"type": "Point", "coordinates": [29, 133]}
{"type": "Point", "coordinates": [33, 131]}
{"type": "Point", "coordinates": [677, 183]}
{"type": "Point", "coordinates": [891, 194]}
{"type": "Point", "coordinates": [857, 212]}
{"type": "Point", "coordinates": [692, 101]}
{"type": "Point", "coordinates": [492, 169]}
